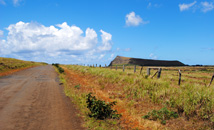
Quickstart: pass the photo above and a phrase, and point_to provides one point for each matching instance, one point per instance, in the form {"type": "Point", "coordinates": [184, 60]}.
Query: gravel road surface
{"type": "Point", "coordinates": [32, 99]}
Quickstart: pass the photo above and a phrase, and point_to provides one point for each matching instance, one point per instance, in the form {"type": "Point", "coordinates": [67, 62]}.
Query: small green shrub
{"type": "Point", "coordinates": [60, 69]}
{"type": "Point", "coordinates": [55, 64]}
{"type": "Point", "coordinates": [77, 86]}
{"type": "Point", "coordinates": [163, 114]}
{"type": "Point", "coordinates": [99, 109]}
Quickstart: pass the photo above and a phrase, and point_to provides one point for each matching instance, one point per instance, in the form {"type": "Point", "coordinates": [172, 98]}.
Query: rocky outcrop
{"type": "Point", "coordinates": [120, 60]}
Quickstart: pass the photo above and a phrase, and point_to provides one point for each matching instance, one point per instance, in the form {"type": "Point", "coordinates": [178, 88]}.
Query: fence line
{"type": "Point", "coordinates": [158, 72]}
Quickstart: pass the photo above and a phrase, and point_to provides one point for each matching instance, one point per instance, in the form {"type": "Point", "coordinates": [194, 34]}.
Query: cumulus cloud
{"type": "Point", "coordinates": [134, 20]}
{"type": "Point", "coordinates": [206, 6]}
{"type": "Point", "coordinates": [34, 40]}
{"type": "Point", "coordinates": [106, 41]}
{"type": "Point", "coordinates": [184, 6]}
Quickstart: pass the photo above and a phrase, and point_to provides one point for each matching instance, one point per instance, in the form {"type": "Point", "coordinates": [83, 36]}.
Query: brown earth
{"type": "Point", "coordinates": [104, 90]}
{"type": "Point", "coordinates": [90, 83]}
{"type": "Point", "coordinates": [32, 99]}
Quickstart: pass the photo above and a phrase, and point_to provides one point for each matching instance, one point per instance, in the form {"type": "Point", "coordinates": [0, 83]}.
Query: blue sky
{"type": "Point", "coordinates": [96, 31]}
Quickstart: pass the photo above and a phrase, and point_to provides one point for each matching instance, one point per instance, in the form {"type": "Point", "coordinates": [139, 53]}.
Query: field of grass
{"type": "Point", "coordinates": [9, 65]}
{"type": "Point", "coordinates": [138, 96]}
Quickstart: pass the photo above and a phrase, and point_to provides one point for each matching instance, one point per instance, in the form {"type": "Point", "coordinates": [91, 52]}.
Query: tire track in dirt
{"type": "Point", "coordinates": [32, 99]}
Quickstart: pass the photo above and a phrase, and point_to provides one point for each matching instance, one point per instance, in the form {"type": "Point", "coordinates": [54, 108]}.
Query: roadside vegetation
{"type": "Point", "coordinates": [10, 65]}
{"type": "Point", "coordinates": [142, 101]}
{"type": "Point", "coordinates": [98, 114]}
{"type": "Point", "coordinates": [60, 69]}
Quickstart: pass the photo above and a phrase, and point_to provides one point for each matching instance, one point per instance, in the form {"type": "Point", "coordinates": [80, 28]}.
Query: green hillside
{"type": "Point", "coordinates": [7, 64]}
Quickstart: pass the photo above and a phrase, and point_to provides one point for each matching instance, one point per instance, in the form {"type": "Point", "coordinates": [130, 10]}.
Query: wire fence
{"type": "Point", "coordinates": [201, 73]}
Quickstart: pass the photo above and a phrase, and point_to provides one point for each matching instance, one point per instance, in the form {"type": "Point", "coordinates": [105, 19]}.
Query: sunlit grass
{"type": "Point", "coordinates": [193, 98]}
{"type": "Point", "coordinates": [7, 64]}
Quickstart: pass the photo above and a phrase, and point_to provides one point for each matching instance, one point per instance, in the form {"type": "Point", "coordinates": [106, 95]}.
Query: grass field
{"type": "Point", "coordinates": [137, 95]}
{"type": "Point", "coordinates": [9, 65]}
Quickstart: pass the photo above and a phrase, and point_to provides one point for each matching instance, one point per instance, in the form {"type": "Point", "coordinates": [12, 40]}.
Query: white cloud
{"type": "Point", "coordinates": [60, 42]}
{"type": "Point", "coordinates": [2, 2]}
{"type": "Point", "coordinates": [206, 6]}
{"type": "Point", "coordinates": [203, 6]}
{"type": "Point", "coordinates": [106, 41]}
{"type": "Point", "coordinates": [101, 56]}
{"type": "Point", "coordinates": [111, 57]}
{"type": "Point", "coordinates": [1, 33]}
{"type": "Point", "coordinates": [184, 6]}
{"type": "Point", "coordinates": [134, 20]}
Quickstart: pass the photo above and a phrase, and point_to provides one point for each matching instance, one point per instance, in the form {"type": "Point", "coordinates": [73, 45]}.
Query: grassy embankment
{"type": "Point", "coordinates": [10, 65]}
{"type": "Point", "coordinates": [136, 95]}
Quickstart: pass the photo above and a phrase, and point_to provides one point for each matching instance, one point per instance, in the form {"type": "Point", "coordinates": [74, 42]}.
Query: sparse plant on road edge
{"type": "Point", "coordinates": [60, 69]}
{"type": "Point", "coordinates": [163, 114]}
{"type": "Point", "coordinates": [77, 86]}
{"type": "Point", "coordinates": [100, 109]}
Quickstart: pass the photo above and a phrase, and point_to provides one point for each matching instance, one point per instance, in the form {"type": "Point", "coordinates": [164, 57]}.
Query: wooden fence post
{"type": "Point", "coordinates": [148, 71]}
{"type": "Point", "coordinates": [123, 68]}
{"type": "Point", "coordinates": [141, 69]}
{"type": "Point", "coordinates": [96, 65]}
{"type": "Point", "coordinates": [116, 67]}
{"type": "Point", "coordinates": [105, 65]}
{"type": "Point", "coordinates": [159, 73]}
{"type": "Point", "coordinates": [111, 67]}
{"type": "Point", "coordinates": [134, 68]}
{"type": "Point", "coordinates": [154, 74]}
{"type": "Point", "coordinates": [179, 81]}
{"type": "Point", "coordinates": [211, 79]}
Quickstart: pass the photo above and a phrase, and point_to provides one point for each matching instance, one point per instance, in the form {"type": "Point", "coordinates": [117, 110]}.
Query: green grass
{"type": "Point", "coordinates": [80, 99]}
{"type": "Point", "coordinates": [7, 64]}
{"type": "Point", "coordinates": [192, 99]}
{"type": "Point", "coordinates": [163, 114]}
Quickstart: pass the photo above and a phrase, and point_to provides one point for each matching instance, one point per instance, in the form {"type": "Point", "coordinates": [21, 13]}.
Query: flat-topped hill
{"type": "Point", "coordinates": [120, 60]}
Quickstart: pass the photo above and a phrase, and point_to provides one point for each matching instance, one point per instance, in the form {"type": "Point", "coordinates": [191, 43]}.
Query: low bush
{"type": "Point", "coordinates": [55, 64]}
{"type": "Point", "coordinates": [60, 69]}
{"type": "Point", "coordinates": [77, 86]}
{"type": "Point", "coordinates": [163, 114]}
{"type": "Point", "coordinates": [99, 109]}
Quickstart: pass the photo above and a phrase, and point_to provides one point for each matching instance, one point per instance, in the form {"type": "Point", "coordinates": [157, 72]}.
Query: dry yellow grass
{"type": "Point", "coordinates": [138, 94]}
{"type": "Point", "coordinates": [10, 65]}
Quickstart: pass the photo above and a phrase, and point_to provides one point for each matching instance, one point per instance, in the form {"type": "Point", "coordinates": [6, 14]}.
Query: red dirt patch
{"type": "Point", "coordinates": [87, 85]}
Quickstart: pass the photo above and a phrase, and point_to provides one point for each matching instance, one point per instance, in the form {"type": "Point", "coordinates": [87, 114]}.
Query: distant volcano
{"type": "Point", "coordinates": [120, 60]}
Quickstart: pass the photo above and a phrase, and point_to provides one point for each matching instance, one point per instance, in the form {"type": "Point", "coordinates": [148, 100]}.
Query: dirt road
{"type": "Point", "coordinates": [33, 100]}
